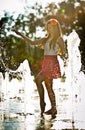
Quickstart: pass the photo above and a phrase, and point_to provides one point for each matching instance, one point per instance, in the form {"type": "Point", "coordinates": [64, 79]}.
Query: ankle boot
{"type": "Point", "coordinates": [51, 111]}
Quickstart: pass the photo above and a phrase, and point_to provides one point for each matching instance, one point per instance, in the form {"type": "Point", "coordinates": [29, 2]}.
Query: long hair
{"type": "Point", "coordinates": [56, 32]}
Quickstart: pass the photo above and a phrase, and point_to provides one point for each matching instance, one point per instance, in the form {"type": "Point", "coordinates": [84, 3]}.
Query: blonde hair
{"type": "Point", "coordinates": [57, 31]}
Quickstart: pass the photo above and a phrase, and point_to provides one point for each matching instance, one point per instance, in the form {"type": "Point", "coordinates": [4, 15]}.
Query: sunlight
{"type": "Point", "coordinates": [17, 6]}
{"type": "Point", "coordinates": [11, 6]}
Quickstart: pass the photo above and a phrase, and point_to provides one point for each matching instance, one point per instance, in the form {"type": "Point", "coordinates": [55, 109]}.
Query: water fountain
{"type": "Point", "coordinates": [74, 82]}
{"type": "Point", "coordinates": [24, 91]}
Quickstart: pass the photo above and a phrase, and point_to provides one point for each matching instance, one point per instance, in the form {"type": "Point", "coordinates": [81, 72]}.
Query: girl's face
{"type": "Point", "coordinates": [50, 28]}
{"type": "Point", "coordinates": [53, 28]}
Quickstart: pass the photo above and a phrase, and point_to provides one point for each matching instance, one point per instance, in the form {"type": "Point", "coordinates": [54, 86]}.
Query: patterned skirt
{"type": "Point", "coordinates": [50, 67]}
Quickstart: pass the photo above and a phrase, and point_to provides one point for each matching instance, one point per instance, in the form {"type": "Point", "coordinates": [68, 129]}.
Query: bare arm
{"type": "Point", "coordinates": [36, 42]}
{"type": "Point", "coordinates": [62, 46]}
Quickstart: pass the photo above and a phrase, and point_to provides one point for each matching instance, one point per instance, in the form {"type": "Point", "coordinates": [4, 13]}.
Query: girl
{"type": "Point", "coordinates": [50, 67]}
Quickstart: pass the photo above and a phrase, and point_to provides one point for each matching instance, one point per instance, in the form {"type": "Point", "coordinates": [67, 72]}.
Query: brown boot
{"type": "Point", "coordinates": [51, 111]}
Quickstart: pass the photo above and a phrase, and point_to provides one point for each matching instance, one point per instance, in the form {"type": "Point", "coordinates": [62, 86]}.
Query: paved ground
{"type": "Point", "coordinates": [21, 113]}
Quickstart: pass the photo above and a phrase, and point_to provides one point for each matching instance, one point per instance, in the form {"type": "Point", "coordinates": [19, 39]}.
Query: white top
{"type": "Point", "coordinates": [50, 51]}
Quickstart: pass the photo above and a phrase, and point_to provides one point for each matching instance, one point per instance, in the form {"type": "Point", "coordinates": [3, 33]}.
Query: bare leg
{"type": "Point", "coordinates": [39, 80]}
{"type": "Point", "coordinates": [49, 87]}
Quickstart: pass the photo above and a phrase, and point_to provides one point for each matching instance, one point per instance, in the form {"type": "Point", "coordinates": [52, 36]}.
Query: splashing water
{"type": "Point", "coordinates": [72, 88]}
{"type": "Point", "coordinates": [75, 77]}
{"type": "Point", "coordinates": [75, 81]}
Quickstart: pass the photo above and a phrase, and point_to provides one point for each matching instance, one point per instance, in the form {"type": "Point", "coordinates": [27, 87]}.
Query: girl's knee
{"type": "Point", "coordinates": [48, 82]}
{"type": "Point", "coordinates": [38, 80]}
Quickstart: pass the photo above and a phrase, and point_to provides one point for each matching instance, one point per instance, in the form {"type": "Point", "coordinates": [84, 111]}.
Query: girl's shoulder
{"type": "Point", "coordinates": [44, 40]}
{"type": "Point", "coordinates": [39, 41]}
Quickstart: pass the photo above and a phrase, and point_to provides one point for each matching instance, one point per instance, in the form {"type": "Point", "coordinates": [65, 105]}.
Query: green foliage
{"type": "Point", "coordinates": [13, 50]}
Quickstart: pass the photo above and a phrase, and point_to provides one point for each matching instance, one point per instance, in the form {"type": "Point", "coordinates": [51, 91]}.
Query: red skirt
{"type": "Point", "coordinates": [50, 68]}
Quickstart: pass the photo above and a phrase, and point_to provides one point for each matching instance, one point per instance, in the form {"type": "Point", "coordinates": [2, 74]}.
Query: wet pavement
{"type": "Point", "coordinates": [22, 111]}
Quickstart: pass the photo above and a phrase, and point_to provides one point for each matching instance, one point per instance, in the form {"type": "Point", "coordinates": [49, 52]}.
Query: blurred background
{"type": "Point", "coordinates": [29, 17]}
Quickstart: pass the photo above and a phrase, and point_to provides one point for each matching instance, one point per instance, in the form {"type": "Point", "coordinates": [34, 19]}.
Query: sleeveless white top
{"type": "Point", "coordinates": [50, 51]}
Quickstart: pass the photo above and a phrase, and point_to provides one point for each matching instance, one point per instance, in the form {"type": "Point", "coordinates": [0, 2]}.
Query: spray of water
{"type": "Point", "coordinates": [73, 85]}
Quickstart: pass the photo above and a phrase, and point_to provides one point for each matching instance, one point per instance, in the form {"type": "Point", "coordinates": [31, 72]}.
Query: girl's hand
{"type": "Point", "coordinates": [64, 58]}
{"type": "Point", "coordinates": [16, 31]}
